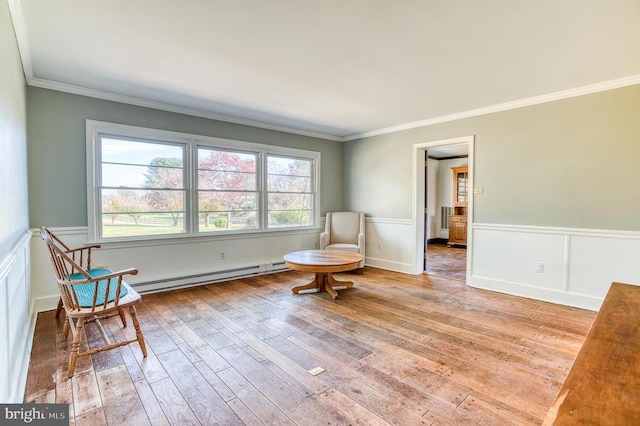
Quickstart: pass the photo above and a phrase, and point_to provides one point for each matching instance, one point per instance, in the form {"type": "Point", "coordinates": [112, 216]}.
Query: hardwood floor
{"type": "Point", "coordinates": [397, 349]}
{"type": "Point", "coordinates": [444, 261]}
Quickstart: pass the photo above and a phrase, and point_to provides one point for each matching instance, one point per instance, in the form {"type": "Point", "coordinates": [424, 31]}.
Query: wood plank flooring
{"type": "Point", "coordinates": [448, 262]}
{"type": "Point", "coordinates": [397, 349]}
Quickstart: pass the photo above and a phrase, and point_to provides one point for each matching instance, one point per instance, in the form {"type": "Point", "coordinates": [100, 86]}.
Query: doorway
{"type": "Point", "coordinates": [446, 194]}
{"type": "Point", "coordinates": [433, 172]}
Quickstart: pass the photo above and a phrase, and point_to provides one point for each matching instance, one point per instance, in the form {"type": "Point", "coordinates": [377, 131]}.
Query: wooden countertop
{"type": "Point", "coordinates": [603, 386]}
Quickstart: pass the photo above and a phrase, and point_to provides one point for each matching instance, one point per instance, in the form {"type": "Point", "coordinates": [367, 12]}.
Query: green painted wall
{"type": "Point", "coordinates": [13, 140]}
{"type": "Point", "coordinates": [57, 150]}
{"type": "Point", "coordinates": [570, 163]}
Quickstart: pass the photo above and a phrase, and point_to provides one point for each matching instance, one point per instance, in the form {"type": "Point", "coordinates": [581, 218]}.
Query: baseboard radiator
{"type": "Point", "coordinates": [445, 212]}
{"type": "Point", "coordinates": [208, 277]}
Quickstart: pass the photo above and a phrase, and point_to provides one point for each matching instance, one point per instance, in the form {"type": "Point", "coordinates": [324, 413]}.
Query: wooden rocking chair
{"type": "Point", "coordinates": [80, 255]}
{"type": "Point", "coordinates": [89, 295]}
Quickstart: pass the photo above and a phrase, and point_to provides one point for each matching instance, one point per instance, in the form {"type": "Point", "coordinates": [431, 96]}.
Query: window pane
{"type": "Point", "coordinates": [289, 218]}
{"type": "Point", "coordinates": [129, 166]}
{"type": "Point", "coordinates": [282, 183]}
{"type": "Point", "coordinates": [227, 190]}
{"type": "Point", "coordinates": [128, 212]}
{"type": "Point", "coordinates": [224, 180]}
{"type": "Point", "coordinates": [137, 224]}
{"type": "Point", "coordinates": [227, 170]}
{"type": "Point", "coordinates": [290, 192]}
{"type": "Point", "coordinates": [117, 175]}
{"type": "Point", "coordinates": [227, 221]}
{"type": "Point", "coordinates": [280, 201]}
{"type": "Point", "coordinates": [226, 210]}
{"type": "Point", "coordinates": [135, 176]}
{"type": "Point", "coordinates": [125, 151]}
{"type": "Point", "coordinates": [115, 200]}
{"type": "Point", "coordinates": [288, 166]}
{"type": "Point", "coordinates": [141, 164]}
{"type": "Point", "coordinates": [222, 201]}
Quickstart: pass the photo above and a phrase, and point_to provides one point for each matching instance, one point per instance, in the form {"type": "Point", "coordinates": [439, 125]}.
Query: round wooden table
{"type": "Point", "coordinates": [323, 263]}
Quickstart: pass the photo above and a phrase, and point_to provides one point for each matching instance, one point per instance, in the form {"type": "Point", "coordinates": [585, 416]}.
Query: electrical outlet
{"type": "Point", "coordinates": [539, 267]}
{"type": "Point", "coordinates": [315, 244]}
{"type": "Point", "coordinates": [223, 255]}
{"type": "Point", "coordinates": [379, 246]}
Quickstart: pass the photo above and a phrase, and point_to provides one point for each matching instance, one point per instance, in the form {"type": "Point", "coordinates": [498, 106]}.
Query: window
{"type": "Point", "coordinates": [227, 190]}
{"type": "Point", "coordinates": [289, 191]}
{"type": "Point", "coordinates": [142, 187]}
{"type": "Point", "coordinates": [146, 183]}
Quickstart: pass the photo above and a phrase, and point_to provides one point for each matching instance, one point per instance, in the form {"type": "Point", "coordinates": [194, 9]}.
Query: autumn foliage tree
{"type": "Point", "coordinates": [127, 202]}
{"type": "Point", "coordinates": [165, 181]}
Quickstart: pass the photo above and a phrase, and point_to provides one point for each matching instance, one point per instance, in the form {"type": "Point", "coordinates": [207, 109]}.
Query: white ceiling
{"type": "Point", "coordinates": [334, 68]}
{"type": "Point", "coordinates": [448, 151]}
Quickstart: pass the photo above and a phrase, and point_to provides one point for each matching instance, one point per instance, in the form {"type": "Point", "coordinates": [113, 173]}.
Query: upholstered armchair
{"type": "Point", "coordinates": [344, 231]}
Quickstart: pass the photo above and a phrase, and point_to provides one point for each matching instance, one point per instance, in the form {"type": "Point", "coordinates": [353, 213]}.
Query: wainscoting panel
{"type": "Point", "coordinates": [4, 337]}
{"type": "Point", "coordinates": [389, 244]}
{"type": "Point", "coordinates": [578, 265]}
{"type": "Point", "coordinates": [16, 322]}
{"type": "Point", "coordinates": [512, 256]}
{"type": "Point", "coordinates": [597, 260]}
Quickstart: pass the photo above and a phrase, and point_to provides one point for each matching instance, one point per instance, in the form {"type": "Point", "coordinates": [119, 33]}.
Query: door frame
{"type": "Point", "coordinates": [419, 150]}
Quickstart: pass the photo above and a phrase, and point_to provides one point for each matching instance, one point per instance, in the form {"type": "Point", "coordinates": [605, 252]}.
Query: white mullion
{"type": "Point", "coordinates": [191, 189]}
{"type": "Point", "coordinates": [315, 182]}
{"type": "Point", "coordinates": [263, 212]}
{"type": "Point", "coordinates": [97, 196]}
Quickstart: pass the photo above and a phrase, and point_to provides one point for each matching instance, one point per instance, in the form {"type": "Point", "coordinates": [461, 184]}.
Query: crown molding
{"type": "Point", "coordinates": [131, 100]}
{"type": "Point", "coordinates": [556, 96]}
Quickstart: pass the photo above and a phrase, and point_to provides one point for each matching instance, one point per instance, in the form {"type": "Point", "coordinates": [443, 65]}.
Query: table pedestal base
{"type": "Point", "coordinates": [323, 281]}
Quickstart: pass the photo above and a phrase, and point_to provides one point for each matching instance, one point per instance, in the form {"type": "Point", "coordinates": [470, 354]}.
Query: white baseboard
{"type": "Point", "coordinates": [531, 292]}
{"type": "Point", "coordinates": [42, 304]}
{"type": "Point", "coordinates": [389, 265]}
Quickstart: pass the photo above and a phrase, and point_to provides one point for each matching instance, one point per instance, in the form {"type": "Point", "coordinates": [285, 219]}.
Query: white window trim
{"type": "Point", "coordinates": [192, 141]}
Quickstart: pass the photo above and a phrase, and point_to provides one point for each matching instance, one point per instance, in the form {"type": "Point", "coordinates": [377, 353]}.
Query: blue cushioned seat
{"type": "Point", "coordinates": [85, 291]}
